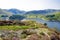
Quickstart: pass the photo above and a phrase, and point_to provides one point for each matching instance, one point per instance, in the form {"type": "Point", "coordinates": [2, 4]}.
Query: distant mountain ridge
{"type": "Point", "coordinates": [21, 12]}
{"type": "Point", "coordinates": [10, 12]}
{"type": "Point", "coordinates": [16, 11]}
{"type": "Point", "coordinates": [3, 12]}
{"type": "Point", "coordinates": [47, 11]}
{"type": "Point", "coordinates": [6, 14]}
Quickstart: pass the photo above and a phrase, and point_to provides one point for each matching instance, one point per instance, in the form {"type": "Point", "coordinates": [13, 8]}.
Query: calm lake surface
{"type": "Point", "coordinates": [50, 24]}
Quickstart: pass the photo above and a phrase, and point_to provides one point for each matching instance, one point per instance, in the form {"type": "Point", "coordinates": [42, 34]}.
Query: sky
{"type": "Point", "coordinates": [28, 5]}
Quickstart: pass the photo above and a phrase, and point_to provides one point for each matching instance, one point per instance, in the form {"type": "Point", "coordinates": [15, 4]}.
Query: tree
{"type": "Point", "coordinates": [4, 15]}
{"type": "Point", "coordinates": [16, 17]}
{"type": "Point", "coordinates": [45, 24]}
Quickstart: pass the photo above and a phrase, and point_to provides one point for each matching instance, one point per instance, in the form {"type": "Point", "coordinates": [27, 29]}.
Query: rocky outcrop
{"type": "Point", "coordinates": [30, 34]}
{"type": "Point", "coordinates": [40, 33]}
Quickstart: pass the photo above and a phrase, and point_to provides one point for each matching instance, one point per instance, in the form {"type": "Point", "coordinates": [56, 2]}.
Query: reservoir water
{"type": "Point", "coordinates": [50, 24]}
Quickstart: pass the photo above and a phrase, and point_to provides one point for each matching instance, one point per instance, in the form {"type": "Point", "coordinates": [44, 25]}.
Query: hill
{"type": "Point", "coordinates": [28, 30]}
{"type": "Point", "coordinates": [48, 15]}
{"type": "Point", "coordinates": [53, 17]}
{"type": "Point", "coordinates": [5, 14]}
{"type": "Point", "coordinates": [16, 11]}
{"type": "Point", "coordinates": [46, 11]}
{"type": "Point", "coordinates": [42, 14]}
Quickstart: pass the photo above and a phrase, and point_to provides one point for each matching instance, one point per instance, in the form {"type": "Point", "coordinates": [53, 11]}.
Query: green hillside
{"type": "Point", "coordinates": [30, 31]}
{"type": "Point", "coordinates": [53, 17]}
{"type": "Point", "coordinates": [49, 17]}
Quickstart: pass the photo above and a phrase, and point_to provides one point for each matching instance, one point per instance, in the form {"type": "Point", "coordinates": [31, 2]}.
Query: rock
{"type": "Point", "coordinates": [59, 37]}
{"type": "Point", "coordinates": [1, 39]}
{"type": "Point", "coordinates": [33, 37]}
{"type": "Point", "coordinates": [15, 38]}
{"type": "Point", "coordinates": [45, 37]}
{"type": "Point", "coordinates": [54, 36]}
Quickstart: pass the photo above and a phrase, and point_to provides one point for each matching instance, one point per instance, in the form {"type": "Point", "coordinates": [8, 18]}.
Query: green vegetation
{"type": "Point", "coordinates": [53, 17]}
{"type": "Point", "coordinates": [28, 24]}
{"type": "Point", "coordinates": [16, 17]}
{"type": "Point", "coordinates": [31, 30]}
{"type": "Point", "coordinates": [49, 17]}
{"type": "Point", "coordinates": [15, 27]}
{"type": "Point", "coordinates": [34, 16]}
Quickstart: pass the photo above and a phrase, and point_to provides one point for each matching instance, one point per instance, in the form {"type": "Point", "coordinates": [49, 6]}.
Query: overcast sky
{"type": "Point", "coordinates": [30, 4]}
